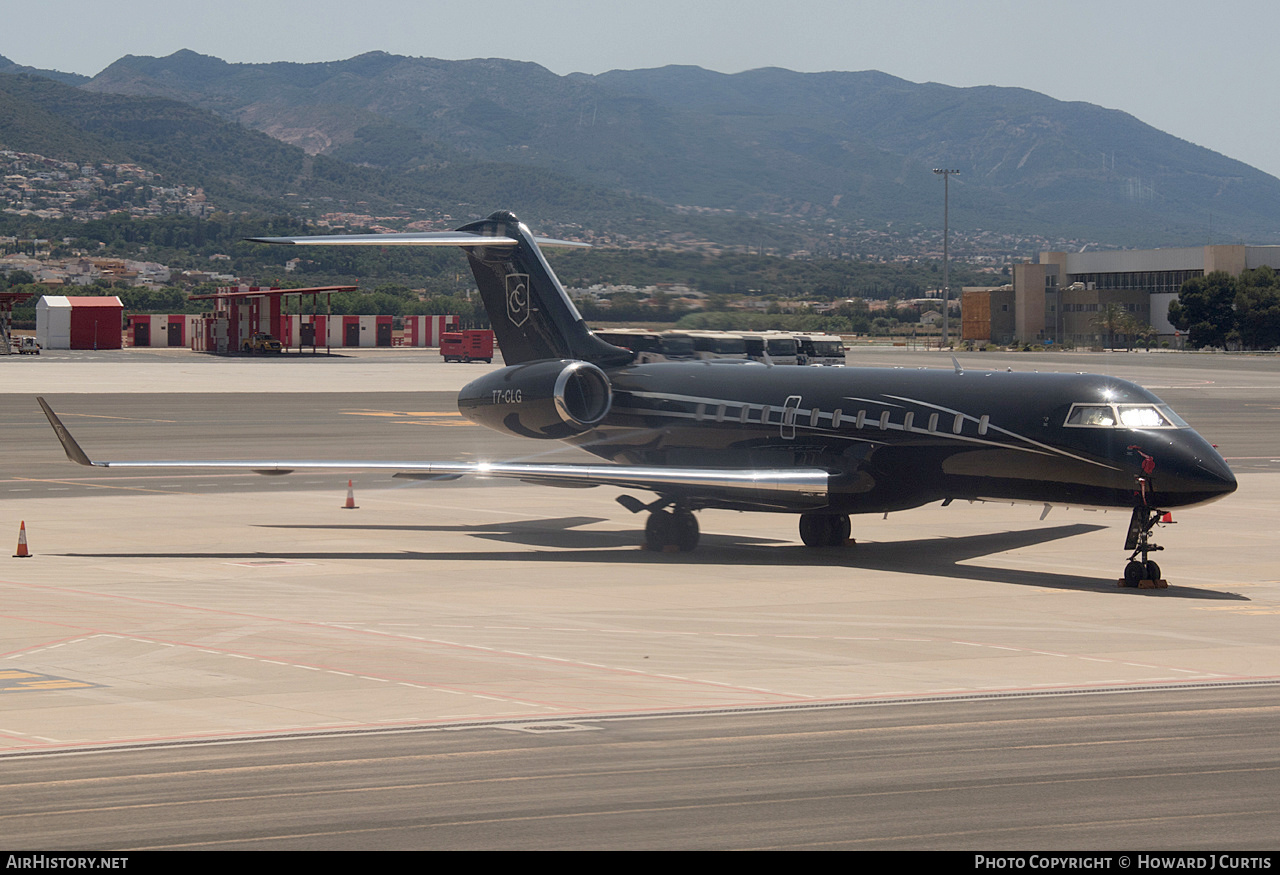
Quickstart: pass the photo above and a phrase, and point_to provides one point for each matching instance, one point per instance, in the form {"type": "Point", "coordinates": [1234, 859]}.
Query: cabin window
{"type": "Point", "coordinates": [907, 420]}
{"type": "Point", "coordinates": [933, 422]}
{"type": "Point", "coordinates": [835, 417]}
{"type": "Point", "coordinates": [813, 417]}
{"type": "Point", "coordinates": [958, 425]}
{"type": "Point", "coordinates": [983, 423]}
{"type": "Point", "coordinates": [861, 420]}
{"type": "Point", "coordinates": [884, 421]}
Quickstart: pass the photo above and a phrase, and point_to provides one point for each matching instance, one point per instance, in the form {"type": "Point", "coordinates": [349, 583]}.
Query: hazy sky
{"type": "Point", "coordinates": [1206, 72]}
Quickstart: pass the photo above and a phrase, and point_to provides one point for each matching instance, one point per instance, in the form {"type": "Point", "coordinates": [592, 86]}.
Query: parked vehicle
{"type": "Point", "coordinates": [820, 349]}
{"type": "Point", "coordinates": [770, 347]}
{"type": "Point", "coordinates": [469, 345]}
{"type": "Point", "coordinates": [26, 345]}
{"type": "Point", "coordinates": [718, 345]}
{"type": "Point", "coordinates": [261, 343]}
{"type": "Point", "coordinates": [651, 346]}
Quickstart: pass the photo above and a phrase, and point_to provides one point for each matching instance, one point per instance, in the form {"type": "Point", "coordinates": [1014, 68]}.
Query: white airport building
{"type": "Point", "coordinates": [1058, 298]}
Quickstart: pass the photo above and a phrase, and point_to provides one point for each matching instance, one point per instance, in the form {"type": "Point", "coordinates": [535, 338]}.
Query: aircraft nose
{"type": "Point", "coordinates": [1193, 473]}
{"type": "Point", "coordinates": [1218, 476]}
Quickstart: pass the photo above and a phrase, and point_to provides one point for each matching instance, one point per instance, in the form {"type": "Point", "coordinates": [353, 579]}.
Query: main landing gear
{"type": "Point", "coordinates": [1143, 573]}
{"type": "Point", "coordinates": [672, 527]}
{"type": "Point", "coordinates": [671, 530]}
{"type": "Point", "coordinates": [667, 531]}
{"type": "Point", "coordinates": [824, 529]}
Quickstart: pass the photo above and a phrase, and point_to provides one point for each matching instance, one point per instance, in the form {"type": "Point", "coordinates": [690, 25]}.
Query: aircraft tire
{"type": "Point", "coordinates": [1152, 570]}
{"type": "Point", "coordinates": [677, 529]}
{"type": "Point", "coordinates": [816, 529]}
{"type": "Point", "coordinates": [658, 530]}
{"type": "Point", "coordinates": [684, 530]}
{"type": "Point", "coordinates": [824, 529]}
{"type": "Point", "coordinates": [1134, 573]}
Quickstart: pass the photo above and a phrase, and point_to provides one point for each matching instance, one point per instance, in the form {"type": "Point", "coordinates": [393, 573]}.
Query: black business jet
{"type": "Point", "coordinates": [823, 443]}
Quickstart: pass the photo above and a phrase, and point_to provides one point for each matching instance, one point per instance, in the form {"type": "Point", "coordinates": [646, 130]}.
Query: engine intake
{"type": "Point", "coordinates": [545, 399]}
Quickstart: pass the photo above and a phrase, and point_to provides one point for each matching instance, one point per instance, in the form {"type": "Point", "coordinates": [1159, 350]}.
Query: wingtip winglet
{"type": "Point", "coordinates": [69, 445]}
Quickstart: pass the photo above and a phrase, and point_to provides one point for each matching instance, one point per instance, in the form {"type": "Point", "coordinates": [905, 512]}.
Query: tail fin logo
{"type": "Point", "coordinates": [518, 298]}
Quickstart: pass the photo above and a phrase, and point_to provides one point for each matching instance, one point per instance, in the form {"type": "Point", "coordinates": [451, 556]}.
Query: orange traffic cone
{"type": "Point", "coordinates": [351, 498]}
{"type": "Point", "coordinates": [22, 542]}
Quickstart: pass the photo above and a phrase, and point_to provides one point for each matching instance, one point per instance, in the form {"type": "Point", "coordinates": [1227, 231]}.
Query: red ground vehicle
{"type": "Point", "coordinates": [473, 344]}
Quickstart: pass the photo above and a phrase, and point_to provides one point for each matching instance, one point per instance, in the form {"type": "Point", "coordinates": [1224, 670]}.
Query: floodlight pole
{"type": "Point", "coordinates": [946, 254]}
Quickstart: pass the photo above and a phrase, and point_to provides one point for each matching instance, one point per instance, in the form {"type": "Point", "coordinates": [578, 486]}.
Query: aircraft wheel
{"type": "Point", "coordinates": [843, 529]}
{"type": "Point", "coordinates": [1134, 573]}
{"type": "Point", "coordinates": [684, 530]}
{"type": "Point", "coordinates": [1152, 570]}
{"type": "Point", "coordinates": [818, 529]}
{"type": "Point", "coordinates": [658, 530]}
{"type": "Point", "coordinates": [677, 529]}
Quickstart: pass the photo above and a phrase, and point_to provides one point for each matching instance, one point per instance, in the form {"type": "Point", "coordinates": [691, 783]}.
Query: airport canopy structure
{"type": "Point", "coordinates": [240, 312]}
{"type": "Point", "coordinates": [9, 300]}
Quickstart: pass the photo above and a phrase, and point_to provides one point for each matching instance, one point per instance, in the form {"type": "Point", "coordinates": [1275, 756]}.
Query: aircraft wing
{"type": "Point", "coordinates": [425, 238]}
{"type": "Point", "coordinates": [789, 487]}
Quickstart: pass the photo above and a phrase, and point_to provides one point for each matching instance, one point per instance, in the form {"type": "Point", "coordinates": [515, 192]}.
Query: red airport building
{"type": "Point", "coordinates": [92, 322]}
{"type": "Point", "coordinates": [175, 329]}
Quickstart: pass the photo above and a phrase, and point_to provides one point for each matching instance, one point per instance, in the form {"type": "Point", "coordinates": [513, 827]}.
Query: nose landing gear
{"type": "Point", "coordinates": [1143, 573]}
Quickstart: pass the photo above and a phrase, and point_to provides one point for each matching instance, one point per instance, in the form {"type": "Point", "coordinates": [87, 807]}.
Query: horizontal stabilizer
{"type": "Point", "coordinates": [529, 311]}
{"type": "Point", "coordinates": [428, 238]}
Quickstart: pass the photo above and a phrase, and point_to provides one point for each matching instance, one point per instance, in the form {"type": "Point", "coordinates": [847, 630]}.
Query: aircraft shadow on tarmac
{"type": "Point", "coordinates": [563, 539]}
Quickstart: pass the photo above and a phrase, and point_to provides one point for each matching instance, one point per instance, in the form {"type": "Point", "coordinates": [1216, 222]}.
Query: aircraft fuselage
{"type": "Point", "coordinates": [896, 438]}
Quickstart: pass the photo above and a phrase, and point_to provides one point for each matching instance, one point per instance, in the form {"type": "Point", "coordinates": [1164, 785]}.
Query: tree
{"type": "Point", "coordinates": [1146, 333]}
{"type": "Point", "coordinates": [1110, 318]}
{"type": "Point", "coordinates": [1257, 309]}
{"type": "Point", "coordinates": [1206, 308]}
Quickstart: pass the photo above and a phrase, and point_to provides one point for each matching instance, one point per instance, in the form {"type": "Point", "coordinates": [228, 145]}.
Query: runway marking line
{"type": "Point", "coordinates": [480, 647]}
{"type": "Point", "coordinates": [122, 418]}
{"type": "Point", "coordinates": [445, 721]}
{"type": "Point", "coordinates": [394, 413]}
{"type": "Point", "coordinates": [352, 628]}
{"type": "Point", "coordinates": [19, 681]}
{"type": "Point", "coordinates": [91, 484]}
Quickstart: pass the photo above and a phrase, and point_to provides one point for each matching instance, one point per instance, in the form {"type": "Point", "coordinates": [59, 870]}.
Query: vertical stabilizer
{"type": "Point", "coordinates": [529, 310]}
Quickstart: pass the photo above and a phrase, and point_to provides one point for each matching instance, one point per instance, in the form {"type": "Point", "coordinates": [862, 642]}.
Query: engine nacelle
{"type": "Point", "coordinates": [553, 398]}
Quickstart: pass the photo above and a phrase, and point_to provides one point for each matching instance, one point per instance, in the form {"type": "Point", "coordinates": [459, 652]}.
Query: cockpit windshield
{"type": "Point", "coordinates": [1123, 416]}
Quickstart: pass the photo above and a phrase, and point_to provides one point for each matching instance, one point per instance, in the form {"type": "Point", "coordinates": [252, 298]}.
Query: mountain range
{"type": "Point", "coordinates": [800, 154]}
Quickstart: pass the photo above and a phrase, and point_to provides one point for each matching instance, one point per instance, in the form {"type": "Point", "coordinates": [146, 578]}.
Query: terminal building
{"type": "Point", "coordinates": [1058, 298]}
